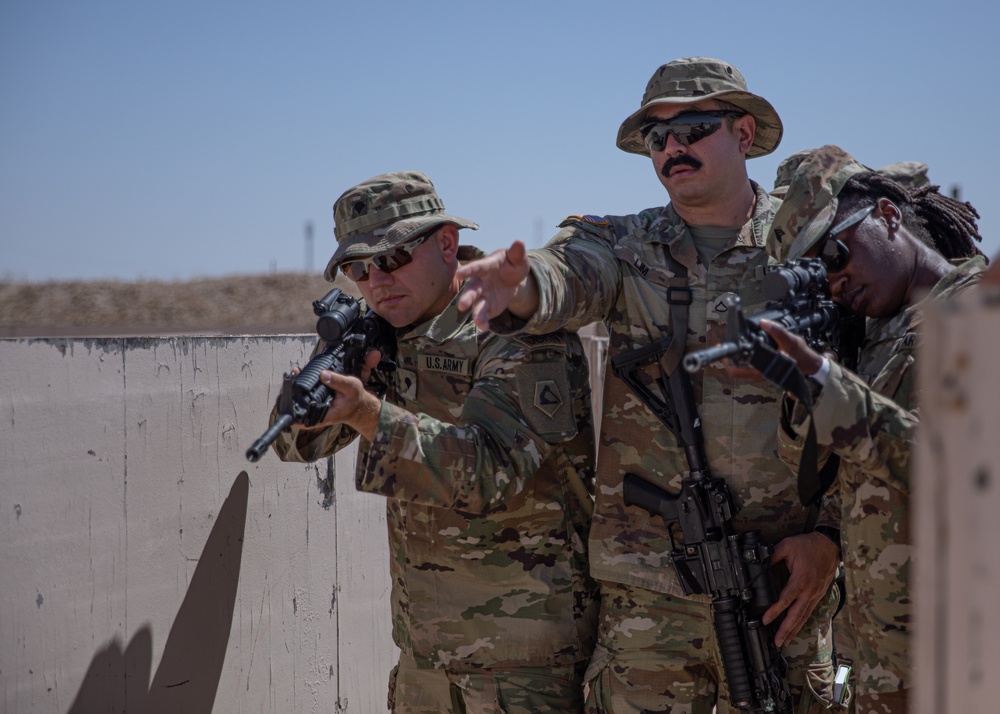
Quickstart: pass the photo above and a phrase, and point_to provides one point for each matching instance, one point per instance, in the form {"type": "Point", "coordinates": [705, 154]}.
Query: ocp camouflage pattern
{"type": "Point", "coordinates": [484, 451]}
{"type": "Point", "coordinates": [618, 272]}
{"type": "Point", "coordinates": [869, 419]}
{"type": "Point", "coordinates": [810, 201]}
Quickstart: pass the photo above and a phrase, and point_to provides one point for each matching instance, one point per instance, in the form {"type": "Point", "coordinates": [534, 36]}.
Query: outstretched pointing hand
{"type": "Point", "coordinates": [500, 281]}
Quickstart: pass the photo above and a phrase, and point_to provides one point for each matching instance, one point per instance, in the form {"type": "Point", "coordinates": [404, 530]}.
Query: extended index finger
{"type": "Point", "coordinates": [472, 293]}
{"type": "Point", "coordinates": [482, 267]}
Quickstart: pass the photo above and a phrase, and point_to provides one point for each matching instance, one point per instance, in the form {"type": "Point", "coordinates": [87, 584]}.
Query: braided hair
{"type": "Point", "coordinates": [945, 224]}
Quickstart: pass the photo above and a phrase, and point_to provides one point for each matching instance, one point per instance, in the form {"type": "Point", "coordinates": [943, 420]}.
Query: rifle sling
{"type": "Point", "coordinates": [679, 413]}
{"type": "Point", "coordinates": [679, 298]}
{"type": "Point", "coordinates": [781, 370]}
{"type": "Point", "coordinates": [668, 353]}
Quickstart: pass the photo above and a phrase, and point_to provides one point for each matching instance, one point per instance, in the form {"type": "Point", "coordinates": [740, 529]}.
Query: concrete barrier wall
{"type": "Point", "coordinates": [147, 566]}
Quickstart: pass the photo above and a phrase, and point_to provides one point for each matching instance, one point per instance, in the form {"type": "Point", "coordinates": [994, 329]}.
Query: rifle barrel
{"type": "Point", "coordinates": [693, 361]}
{"type": "Point", "coordinates": [258, 447]}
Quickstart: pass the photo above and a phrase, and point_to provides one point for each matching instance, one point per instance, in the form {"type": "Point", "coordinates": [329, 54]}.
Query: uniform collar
{"type": "Point", "coordinates": [670, 229]}
{"type": "Point", "coordinates": [963, 271]}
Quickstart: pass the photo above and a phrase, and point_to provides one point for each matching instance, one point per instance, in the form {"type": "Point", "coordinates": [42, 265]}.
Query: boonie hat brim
{"type": "Point", "coordinates": [766, 137]}
{"type": "Point", "coordinates": [365, 244]}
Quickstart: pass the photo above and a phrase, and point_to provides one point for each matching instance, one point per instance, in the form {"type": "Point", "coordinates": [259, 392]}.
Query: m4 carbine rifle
{"type": "Point", "coordinates": [798, 296]}
{"type": "Point", "coordinates": [799, 300]}
{"type": "Point", "coordinates": [733, 567]}
{"type": "Point", "coordinates": [730, 566]}
{"type": "Point", "coordinates": [349, 336]}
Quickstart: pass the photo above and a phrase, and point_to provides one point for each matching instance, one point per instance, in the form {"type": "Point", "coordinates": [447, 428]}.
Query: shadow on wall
{"type": "Point", "coordinates": [191, 667]}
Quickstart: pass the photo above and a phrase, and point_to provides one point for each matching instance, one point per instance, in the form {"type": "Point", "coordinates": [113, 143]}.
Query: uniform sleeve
{"type": "Point", "coordinates": [312, 445]}
{"type": "Point", "coordinates": [578, 281]}
{"type": "Point", "coordinates": [863, 427]}
{"type": "Point", "coordinates": [523, 404]}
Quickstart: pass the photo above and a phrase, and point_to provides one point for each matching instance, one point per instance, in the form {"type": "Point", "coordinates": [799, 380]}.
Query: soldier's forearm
{"type": "Point", "coordinates": [524, 304]}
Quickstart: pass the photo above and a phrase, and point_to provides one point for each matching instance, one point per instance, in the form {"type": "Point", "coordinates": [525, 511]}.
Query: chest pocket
{"type": "Point", "coordinates": [664, 293]}
{"type": "Point", "coordinates": [434, 381]}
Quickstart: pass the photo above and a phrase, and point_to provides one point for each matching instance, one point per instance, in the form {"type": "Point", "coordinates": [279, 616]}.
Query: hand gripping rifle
{"type": "Point", "coordinates": [799, 300]}
{"type": "Point", "coordinates": [349, 336]}
{"type": "Point", "coordinates": [732, 567]}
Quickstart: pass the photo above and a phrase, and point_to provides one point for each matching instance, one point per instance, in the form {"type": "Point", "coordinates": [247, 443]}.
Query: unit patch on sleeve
{"type": "Point", "coordinates": [546, 401]}
{"type": "Point", "coordinates": [547, 397]}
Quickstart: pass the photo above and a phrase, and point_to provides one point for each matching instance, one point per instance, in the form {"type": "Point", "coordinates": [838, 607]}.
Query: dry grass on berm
{"type": "Point", "coordinates": [279, 303]}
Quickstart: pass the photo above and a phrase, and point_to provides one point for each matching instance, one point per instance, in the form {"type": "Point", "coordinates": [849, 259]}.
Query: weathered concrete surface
{"type": "Point", "coordinates": [148, 566]}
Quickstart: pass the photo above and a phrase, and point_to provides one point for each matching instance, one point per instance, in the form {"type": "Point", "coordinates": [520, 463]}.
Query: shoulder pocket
{"type": "Point", "coordinates": [889, 379]}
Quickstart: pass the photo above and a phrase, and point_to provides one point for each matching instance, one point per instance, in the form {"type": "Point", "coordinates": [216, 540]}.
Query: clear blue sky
{"type": "Point", "coordinates": [181, 139]}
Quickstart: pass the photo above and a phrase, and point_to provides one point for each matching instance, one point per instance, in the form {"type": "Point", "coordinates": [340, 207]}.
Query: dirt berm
{"type": "Point", "coordinates": [278, 303]}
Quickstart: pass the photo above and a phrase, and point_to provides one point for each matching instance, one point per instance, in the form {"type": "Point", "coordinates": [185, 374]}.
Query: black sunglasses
{"type": "Point", "coordinates": [357, 270]}
{"type": "Point", "coordinates": [686, 128]}
{"type": "Point", "coordinates": [834, 252]}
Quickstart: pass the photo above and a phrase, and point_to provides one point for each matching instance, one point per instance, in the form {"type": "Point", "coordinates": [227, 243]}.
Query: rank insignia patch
{"type": "Point", "coordinates": [406, 384]}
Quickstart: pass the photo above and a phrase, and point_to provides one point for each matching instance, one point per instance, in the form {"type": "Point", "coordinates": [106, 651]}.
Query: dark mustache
{"type": "Point", "coordinates": [679, 160]}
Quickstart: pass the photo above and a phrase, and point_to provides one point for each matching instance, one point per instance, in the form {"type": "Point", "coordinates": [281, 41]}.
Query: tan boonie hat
{"type": "Point", "coordinates": [810, 203]}
{"type": "Point", "coordinates": [383, 212]}
{"type": "Point", "coordinates": [693, 79]}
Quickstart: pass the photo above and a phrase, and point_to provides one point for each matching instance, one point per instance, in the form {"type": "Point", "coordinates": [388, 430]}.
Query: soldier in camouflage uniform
{"type": "Point", "coordinates": [484, 451]}
{"type": "Point", "coordinates": [657, 649]}
{"type": "Point", "coordinates": [911, 175]}
{"type": "Point", "coordinates": [893, 255]}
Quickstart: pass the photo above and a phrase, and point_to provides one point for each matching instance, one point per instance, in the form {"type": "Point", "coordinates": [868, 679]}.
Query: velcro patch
{"type": "Point", "coordinates": [906, 342]}
{"type": "Point", "coordinates": [595, 220]}
{"type": "Point", "coordinates": [406, 384]}
{"type": "Point", "coordinates": [718, 311]}
{"type": "Point", "coordinates": [547, 397]}
{"type": "Point", "coordinates": [546, 400]}
{"type": "Point", "coordinates": [444, 363]}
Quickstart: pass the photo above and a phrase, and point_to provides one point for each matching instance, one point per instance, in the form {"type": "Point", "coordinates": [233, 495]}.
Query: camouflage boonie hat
{"type": "Point", "coordinates": [692, 79]}
{"type": "Point", "coordinates": [910, 175]}
{"type": "Point", "coordinates": [810, 203]}
{"type": "Point", "coordinates": [786, 169]}
{"type": "Point", "coordinates": [383, 212]}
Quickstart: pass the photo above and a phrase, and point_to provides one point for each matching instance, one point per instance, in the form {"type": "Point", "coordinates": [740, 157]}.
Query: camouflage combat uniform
{"type": "Point", "coordinates": [868, 419]}
{"type": "Point", "coordinates": [484, 451]}
{"type": "Point", "coordinates": [912, 175]}
{"type": "Point", "coordinates": [657, 646]}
